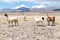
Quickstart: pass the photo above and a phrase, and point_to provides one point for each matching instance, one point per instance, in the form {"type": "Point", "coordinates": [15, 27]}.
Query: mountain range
{"type": "Point", "coordinates": [25, 9]}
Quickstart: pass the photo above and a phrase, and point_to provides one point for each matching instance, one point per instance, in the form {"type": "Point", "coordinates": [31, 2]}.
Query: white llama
{"type": "Point", "coordinates": [10, 20]}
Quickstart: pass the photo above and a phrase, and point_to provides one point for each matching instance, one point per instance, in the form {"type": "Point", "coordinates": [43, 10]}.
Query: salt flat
{"type": "Point", "coordinates": [28, 30]}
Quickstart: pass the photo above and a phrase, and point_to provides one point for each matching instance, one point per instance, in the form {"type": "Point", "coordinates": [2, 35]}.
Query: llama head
{"type": "Point", "coordinates": [6, 15]}
{"type": "Point", "coordinates": [42, 18]}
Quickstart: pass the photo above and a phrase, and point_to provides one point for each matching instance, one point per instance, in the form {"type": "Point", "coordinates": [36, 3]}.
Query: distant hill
{"type": "Point", "coordinates": [21, 9]}
{"type": "Point", "coordinates": [46, 9]}
{"type": "Point", "coordinates": [25, 9]}
{"type": "Point", "coordinates": [56, 10]}
{"type": "Point", "coordinates": [8, 10]}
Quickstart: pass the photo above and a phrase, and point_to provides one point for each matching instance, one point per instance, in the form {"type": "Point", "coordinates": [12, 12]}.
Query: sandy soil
{"type": "Point", "coordinates": [28, 30]}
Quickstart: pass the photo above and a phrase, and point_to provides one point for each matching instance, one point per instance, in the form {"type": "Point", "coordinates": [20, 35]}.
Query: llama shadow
{"type": "Point", "coordinates": [12, 25]}
{"type": "Point", "coordinates": [41, 25]}
{"type": "Point", "coordinates": [51, 25]}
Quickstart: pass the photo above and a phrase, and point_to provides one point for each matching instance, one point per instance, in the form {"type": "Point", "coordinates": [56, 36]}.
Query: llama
{"type": "Point", "coordinates": [50, 19]}
{"type": "Point", "coordinates": [38, 19]}
{"type": "Point", "coordinates": [25, 17]}
{"type": "Point", "coordinates": [11, 19]}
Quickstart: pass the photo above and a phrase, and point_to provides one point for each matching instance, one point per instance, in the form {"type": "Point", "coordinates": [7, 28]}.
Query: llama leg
{"type": "Point", "coordinates": [8, 22]}
{"type": "Point", "coordinates": [38, 21]}
{"type": "Point", "coordinates": [11, 23]}
{"type": "Point", "coordinates": [53, 23]}
{"type": "Point", "coordinates": [15, 23]}
{"type": "Point", "coordinates": [25, 19]}
{"type": "Point", "coordinates": [48, 23]}
{"type": "Point", "coordinates": [42, 23]}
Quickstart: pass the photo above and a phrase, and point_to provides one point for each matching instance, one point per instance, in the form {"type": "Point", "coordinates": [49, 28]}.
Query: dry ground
{"type": "Point", "coordinates": [28, 30]}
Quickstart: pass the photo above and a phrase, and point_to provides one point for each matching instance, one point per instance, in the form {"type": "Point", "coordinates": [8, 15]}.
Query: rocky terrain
{"type": "Point", "coordinates": [28, 30]}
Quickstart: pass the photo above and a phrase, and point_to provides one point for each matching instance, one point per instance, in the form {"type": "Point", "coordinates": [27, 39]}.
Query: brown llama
{"type": "Point", "coordinates": [51, 19]}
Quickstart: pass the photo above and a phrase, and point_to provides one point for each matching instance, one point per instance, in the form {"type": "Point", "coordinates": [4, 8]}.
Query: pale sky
{"type": "Point", "coordinates": [28, 3]}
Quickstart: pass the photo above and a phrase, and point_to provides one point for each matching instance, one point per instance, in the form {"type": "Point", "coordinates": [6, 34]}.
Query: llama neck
{"type": "Point", "coordinates": [47, 14]}
{"type": "Point", "coordinates": [7, 18]}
